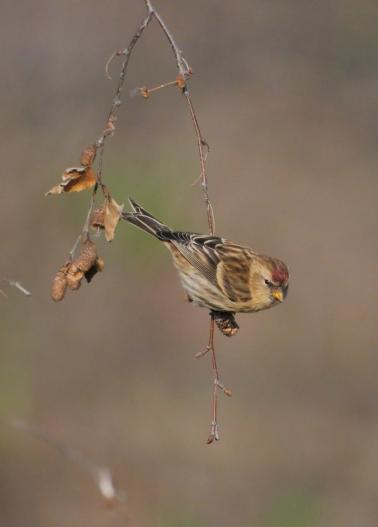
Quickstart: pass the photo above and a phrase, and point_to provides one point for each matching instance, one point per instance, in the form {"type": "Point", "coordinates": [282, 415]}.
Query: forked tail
{"type": "Point", "coordinates": [145, 221]}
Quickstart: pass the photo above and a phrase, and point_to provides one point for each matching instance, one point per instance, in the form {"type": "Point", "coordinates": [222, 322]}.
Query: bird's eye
{"type": "Point", "coordinates": [268, 282]}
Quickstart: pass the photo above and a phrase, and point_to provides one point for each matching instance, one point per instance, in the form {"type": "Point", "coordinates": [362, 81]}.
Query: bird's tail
{"type": "Point", "coordinates": [145, 221]}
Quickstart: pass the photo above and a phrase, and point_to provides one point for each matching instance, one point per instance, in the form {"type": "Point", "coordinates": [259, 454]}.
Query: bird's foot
{"type": "Point", "coordinates": [226, 323]}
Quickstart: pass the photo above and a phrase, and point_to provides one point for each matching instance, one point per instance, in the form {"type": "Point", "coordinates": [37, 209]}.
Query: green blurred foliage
{"type": "Point", "coordinates": [15, 390]}
{"type": "Point", "coordinates": [184, 519]}
{"type": "Point", "coordinates": [294, 509]}
{"type": "Point", "coordinates": [159, 183]}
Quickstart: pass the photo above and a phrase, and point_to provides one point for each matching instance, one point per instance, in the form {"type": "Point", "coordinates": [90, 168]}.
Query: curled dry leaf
{"type": "Point", "coordinates": [59, 284]}
{"type": "Point", "coordinates": [70, 275]}
{"type": "Point", "coordinates": [86, 259]}
{"type": "Point", "coordinates": [75, 179]}
{"type": "Point", "coordinates": [74, 278]}
{"type": "Point", "coordinates": [112, 214]}
{"type": "Point", "coordinates": [88, 156]}
{"type": "Point", "coordinates": [97, 218]}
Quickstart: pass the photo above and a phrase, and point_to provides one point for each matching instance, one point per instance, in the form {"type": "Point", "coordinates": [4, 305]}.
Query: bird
{"type": "Point", "coordinates": [218, 274]}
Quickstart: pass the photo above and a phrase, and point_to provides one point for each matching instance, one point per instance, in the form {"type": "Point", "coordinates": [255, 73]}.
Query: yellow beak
{"type": "Point", "coordinates": [278, 295]}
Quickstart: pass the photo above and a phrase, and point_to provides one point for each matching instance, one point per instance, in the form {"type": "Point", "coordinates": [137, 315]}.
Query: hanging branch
{"type": "Point", "coordinates": [16, 284]}
{"type": "Point", "coordinates": [87, 263]}
{"type": "Point", "coordinates": [110, 127]}
{"type": "Point", "coordinates": [184, 72]}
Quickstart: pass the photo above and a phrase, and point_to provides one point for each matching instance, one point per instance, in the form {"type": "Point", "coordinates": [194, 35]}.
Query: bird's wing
{"type": "Point", "coordinates": [225, 264]}
{"type": "Point", "coordinates": [199, 250]}
{"type": "Point", "coordinates": [233, 273]}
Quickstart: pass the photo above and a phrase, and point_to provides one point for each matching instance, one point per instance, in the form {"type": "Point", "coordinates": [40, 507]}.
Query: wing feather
{"type": "Point", "coordinates": [225, 264]}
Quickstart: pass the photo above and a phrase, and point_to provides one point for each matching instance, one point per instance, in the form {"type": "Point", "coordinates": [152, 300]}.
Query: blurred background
{"type": "Point", "coordinates": [286, 95]}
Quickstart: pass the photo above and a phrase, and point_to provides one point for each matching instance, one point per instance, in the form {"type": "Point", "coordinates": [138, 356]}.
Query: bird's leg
{"type": "Point", "coordinates": [214, 431]}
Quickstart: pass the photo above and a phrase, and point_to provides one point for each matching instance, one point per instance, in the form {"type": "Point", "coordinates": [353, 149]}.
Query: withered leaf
{"type": "Point", "coordinates": [74, 278]}
{"type": "Point", "coordinates": [87, 257]}
{"type": "Point", "coordinates": [97, 218]}
{"type": "Point", "coordinates": [88, 155]}
{"type": "Point", "coordinates": [71, 274]}
{"type": "Point", "coordinates": [81, 265]}
{"type": "Point", "coordinates": [75, 179]}
{"type": "Point", "coordinates": [59, 284]}
{"type": "Point", "coordinates": [112, 215]}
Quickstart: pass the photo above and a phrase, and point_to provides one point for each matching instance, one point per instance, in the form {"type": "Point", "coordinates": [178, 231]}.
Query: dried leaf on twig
{"type": "Point", "coordinates": [86, 258]}
{"type": "Point", "coordinates": [112, 214]}
{"type": "Point", "coordinates": [74, 278]}
{"type": "Point", "coordinates": [70, 275]}
{"type": "Point", "coordinates": [75, 179]}
{"type": "Point", "coordinates": [97, 218]}
{"type": "Point", "coordinates": [59, 284]}
{"type": "Point", "coordinates": [88, 156]}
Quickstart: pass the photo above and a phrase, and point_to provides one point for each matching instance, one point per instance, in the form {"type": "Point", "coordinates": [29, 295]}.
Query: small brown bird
{"type": "Point", "coordinates": [218, 274]}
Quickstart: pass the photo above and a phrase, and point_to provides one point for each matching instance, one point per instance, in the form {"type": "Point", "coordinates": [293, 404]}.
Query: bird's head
{"type": "Point", "coordinates": [270, 281]}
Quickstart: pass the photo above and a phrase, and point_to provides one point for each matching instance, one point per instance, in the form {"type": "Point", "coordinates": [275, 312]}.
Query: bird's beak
{"type": "Point", "coordinates": [278, 294]}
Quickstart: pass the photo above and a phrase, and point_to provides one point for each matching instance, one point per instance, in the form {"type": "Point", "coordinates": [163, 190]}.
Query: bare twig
{"type": "Point", "coordinates": [145, 92]}
{"type": "Point", "coordinates": [101, 475]}
{"type": "Point", "coordinates": [202, 144]}
{"type": "Point", "coordinates": [109, 128]}
{"type": "Point", "coordinates": [185, 70]}
{"type": "Point", "coordinates": [17, 285]}
{"type": "Point", "coordinates": [203, 148]}
{"type": "Point", "coordinates": [217, 384]}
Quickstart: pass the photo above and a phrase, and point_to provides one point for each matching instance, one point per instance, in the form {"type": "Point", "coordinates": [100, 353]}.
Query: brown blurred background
{"type": "Point", "coordinates": [286, 94]}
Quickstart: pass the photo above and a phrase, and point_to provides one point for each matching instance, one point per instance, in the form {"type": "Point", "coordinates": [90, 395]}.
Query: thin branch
{"type": "Point", "coordinates": [101, 475]}
{"type": "Point", "coordinates": [201, 144]}
{"type": "Point", "coordinates": [17, 285]}
{"type": "Point", "coordinates": [185, 70]}
{"type": "Point", "coordinates": [203, 149]}
{"type": "Point", "coordinates": [217, 384]}
{"type": "Point", "coordinates": [182, 64]}
{"type": "Point", "coordinates": [109, 128]}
